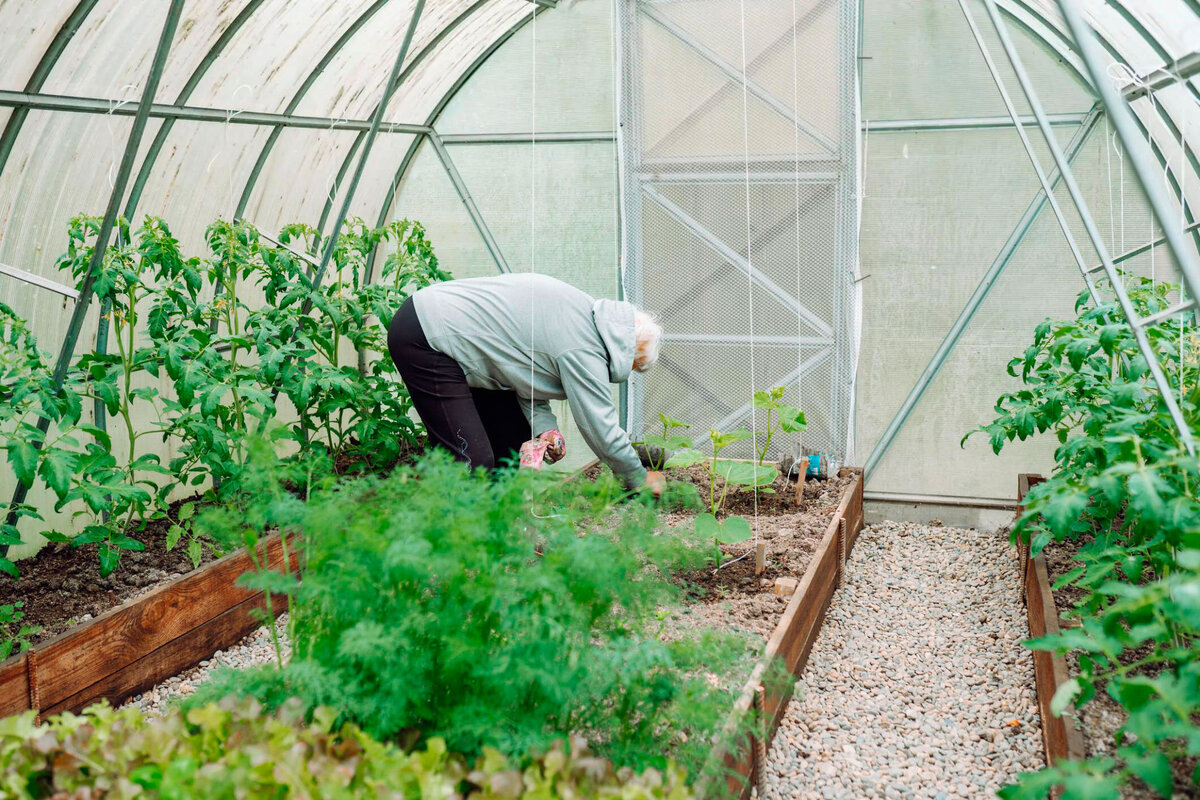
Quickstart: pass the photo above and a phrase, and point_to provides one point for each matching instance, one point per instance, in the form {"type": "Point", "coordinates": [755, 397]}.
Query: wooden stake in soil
{"type": "Point", "coordinates": [760, 558]}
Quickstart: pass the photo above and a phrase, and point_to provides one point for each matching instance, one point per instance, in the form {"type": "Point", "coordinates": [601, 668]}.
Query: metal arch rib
{"type": "Point", "coordinates": [416, 61]}
{"type": "Point", "coordinates": [1064, 49]}
{"type": "Point", "coordinates": [40, 73]}
{"type": "Point", "coordinates": [432, 118]}
{"type": "Point", "coordinates": [298, 97]}
{"type": "Point", "coordinates": [185, 94]}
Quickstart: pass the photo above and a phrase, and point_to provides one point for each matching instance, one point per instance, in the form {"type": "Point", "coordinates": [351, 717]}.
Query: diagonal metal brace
{"type": "Point", "coordinates": [735, 74]}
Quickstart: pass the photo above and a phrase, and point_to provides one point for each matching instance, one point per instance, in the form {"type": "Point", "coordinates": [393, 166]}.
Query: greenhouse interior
{"type": "Point", "coordinates": [600, 398]}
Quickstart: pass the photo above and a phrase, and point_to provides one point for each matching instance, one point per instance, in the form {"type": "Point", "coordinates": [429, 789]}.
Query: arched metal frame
{"type": "Point", "coordinates": [1031, 15]}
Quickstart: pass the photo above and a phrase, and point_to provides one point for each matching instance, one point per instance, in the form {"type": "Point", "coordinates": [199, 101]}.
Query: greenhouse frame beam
{"type": "Point", "coordinates": [552, 137]}
{"type": "Point", "coordinates": [164, 130]}
{"type": "Point", "coordinates": [389, 89]}
{"type": "Point", "coordinates": [735, 74]}
{"type": "Point", "coordinates": [37, 280]}
{"type": "Point", "coordinates": [12, 129]}
{"type": "Point", "coordinates": [431, 120]}
{"type": "Point", "coordinates": [1179, 70]}
{"type": "Point", "coordinates": [988, 282]}
{"type": "Point", "coordinates": [1081, 205]}
{"type": "Point", "coordinates": [741, 338]}
{"type": "Point", "coordinates": [301, 91]}
{"type": "Point", "coordinates": [799, 372]}
{"type": "Point", "coordinates": [87, 287]}
{"type": "Point", "coordinates": [93, 105]}
{"type": "Point", "coordinates": [464, 194]}
{"type": "Point", "coordinates": [1121, 116]}
{"type": "Point", "coordinates": [416, 61]}
{"type": "Point", "coordinates": [737, 260]}
{"type": "Point", "coordinates": [962, 123]}
{"type": "Point", "coordinates": [1146, 248]}
{"type": "Point", "coordinates": [1062, 48]}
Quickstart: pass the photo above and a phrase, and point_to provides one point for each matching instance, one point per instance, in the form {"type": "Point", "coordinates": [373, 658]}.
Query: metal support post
{"type": "Point", "coordinates": [87, 287]}
{"type": "Point", "coordinates": [1143, 341]}
{"type": "Point", "coordinates": [1148, 175]}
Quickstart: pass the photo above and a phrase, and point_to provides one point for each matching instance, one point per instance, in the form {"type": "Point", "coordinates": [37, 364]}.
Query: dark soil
{"type": "Point", "coordinates": [61, 586]}
{"type": "Point", "coordinates": [733, 596]}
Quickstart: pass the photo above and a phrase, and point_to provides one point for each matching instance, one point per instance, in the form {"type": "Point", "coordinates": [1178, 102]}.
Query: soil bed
{"type": "Point", "coordinates": [733, 597]}
{"type": "Point", "coordinates": [61, 585]}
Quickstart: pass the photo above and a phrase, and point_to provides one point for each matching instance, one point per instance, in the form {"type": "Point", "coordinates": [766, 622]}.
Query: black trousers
{"type": "Point", "coordinates": [483, 428]}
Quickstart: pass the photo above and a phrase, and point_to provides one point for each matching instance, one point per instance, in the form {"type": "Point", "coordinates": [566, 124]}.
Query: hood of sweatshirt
{"type": "Point", "coordinates": [614, 321]}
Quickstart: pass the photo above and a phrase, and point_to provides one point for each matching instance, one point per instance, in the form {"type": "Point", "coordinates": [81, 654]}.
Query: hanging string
{"type": "Point", "coordinates": [803, 468]}
{"type": "Point", "coordinates": [749, 252]}
{"type": "Point", "coordinates": [532, 200]}
{"type": "Point", "coordinates": [113, 105]}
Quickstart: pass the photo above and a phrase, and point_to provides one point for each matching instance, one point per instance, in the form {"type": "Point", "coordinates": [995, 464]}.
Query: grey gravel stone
{"type": "Point", "coordinates": [917, 685]}
{"type": "Point", "coordinates": [257, 648]}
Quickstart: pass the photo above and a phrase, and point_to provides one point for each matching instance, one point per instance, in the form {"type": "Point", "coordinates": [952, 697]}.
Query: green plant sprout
{"type": "Point", "coordinates": [666, 442]}
{"type": "Point", "coordinates": [733, 473]}
{"type": "Point", "coordinates": [789, 419]}
{"type": "Point", "coordinates": [14, 637]}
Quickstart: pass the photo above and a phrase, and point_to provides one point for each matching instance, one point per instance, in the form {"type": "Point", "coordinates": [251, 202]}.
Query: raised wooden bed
{"type": "Point", "coordinates": [789, 646]}
{"type": "Point", "coordinates": [1061, 737]}
{"type": "Point", "coordinates": [141, 643]}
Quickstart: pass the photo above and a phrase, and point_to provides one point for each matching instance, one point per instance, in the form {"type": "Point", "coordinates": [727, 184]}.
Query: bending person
{"type": "Point", "coordinates": [482, 357]}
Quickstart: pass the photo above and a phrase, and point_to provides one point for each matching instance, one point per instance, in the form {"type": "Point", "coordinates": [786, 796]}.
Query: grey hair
{"type": "Point", "coordinates": [648, 336]}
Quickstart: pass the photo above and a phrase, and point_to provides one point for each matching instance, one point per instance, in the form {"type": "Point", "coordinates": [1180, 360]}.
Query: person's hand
{"type": "Point", "coordinates": [656, 483]}
{"type": "Point", "coordinates": [556, 445]}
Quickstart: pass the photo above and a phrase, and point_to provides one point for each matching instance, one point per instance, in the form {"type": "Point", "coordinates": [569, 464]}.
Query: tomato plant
{"type": "Point", "coordinates": [225, 356]}
{"type": "Point", "coordinates": [1124, 493]}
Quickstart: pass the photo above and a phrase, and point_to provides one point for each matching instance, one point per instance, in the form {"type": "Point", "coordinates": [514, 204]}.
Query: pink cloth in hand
{"type": "Point", "coordinates": [549, 447]}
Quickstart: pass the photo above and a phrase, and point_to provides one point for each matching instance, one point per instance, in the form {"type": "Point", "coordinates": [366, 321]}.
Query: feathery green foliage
{"type": "Point", "coordinates": [488, 610]}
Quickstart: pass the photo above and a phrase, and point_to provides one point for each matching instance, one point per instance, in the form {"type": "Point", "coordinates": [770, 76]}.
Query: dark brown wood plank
{"type": "Point", "coordinates": [14, 686]}
{"type": "Point", "coordinates": [178, 655]}
{"type": "Point", "coordinates": [792, 641]}
{"type": "Point", "coordinates": [89, 653]}
{"type": "Point", "coordinates": [1061, 738]}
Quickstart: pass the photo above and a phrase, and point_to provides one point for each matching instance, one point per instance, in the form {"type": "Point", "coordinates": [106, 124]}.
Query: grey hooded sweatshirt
{"type": "Point", "coordinates": [545, 340]}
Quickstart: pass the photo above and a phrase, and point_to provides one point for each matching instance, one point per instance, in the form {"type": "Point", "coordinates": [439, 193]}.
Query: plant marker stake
{"type": "Point", "coordinates": [760, 558]}
{"type": "Point", "coordinates": [87, 288]}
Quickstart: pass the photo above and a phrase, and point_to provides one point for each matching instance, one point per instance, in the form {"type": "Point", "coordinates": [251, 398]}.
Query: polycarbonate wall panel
{"type": "Point", "coordinates": [921, 62]}
{"type": "Point", "coordinates": [574, 57]}
{"type": "Point", "coordinates": [937, 209]}
{"type": "Point", "coordinates": [740, 208]}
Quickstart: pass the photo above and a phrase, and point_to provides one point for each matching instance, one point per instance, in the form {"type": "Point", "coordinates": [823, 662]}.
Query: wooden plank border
{"type": "Point", "coordinates": [142, 642]}
{"type": "Point", "coordinates": [789, 646]}
{"type": "Point", "coordinates": [1061, 737]}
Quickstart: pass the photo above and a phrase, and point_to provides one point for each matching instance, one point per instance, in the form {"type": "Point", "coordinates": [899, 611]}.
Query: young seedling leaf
{"type": "Point", "coordinates": [686, 458]}
{"type": "Point", "coordinates": [734, 530]}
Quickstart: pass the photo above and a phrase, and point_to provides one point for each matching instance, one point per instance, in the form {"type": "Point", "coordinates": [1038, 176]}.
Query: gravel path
{"type": "Point", "coordinates": [917, 685]}
{"type": "Point", "coordinates": [257, 648]}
